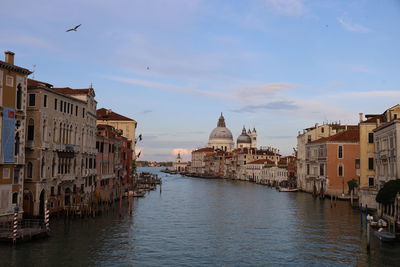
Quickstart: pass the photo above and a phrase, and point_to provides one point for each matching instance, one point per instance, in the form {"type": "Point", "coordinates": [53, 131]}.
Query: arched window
{"type": "Point", "coordinates": [16, 144]}
{"type": "Point", "coordinates": [55, 132]}
{"type": "Point", "coordinates": [340, 170]}
{"type": "Point", "coordinates": [44, 131]}
{"type": "Point", "coordinates": [15, 198]}
{"type": "Point", "coordinates": [42, 168]}
{"type": "Point", "coordinates": [31, 129]}
{"type": "Point", "coordinates": [29, 170]}
{"type": "Point", "coordinates": [19, 96]}
{"type": "Point", "coordinates": [76, 136]}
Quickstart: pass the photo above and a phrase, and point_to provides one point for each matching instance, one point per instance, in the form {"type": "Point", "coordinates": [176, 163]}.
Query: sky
{"type": "Point", "coordinates": [174, 65]}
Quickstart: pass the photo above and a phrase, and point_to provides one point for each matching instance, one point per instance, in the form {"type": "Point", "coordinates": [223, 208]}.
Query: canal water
{"type": "Point", "coordinates": [197, 222]}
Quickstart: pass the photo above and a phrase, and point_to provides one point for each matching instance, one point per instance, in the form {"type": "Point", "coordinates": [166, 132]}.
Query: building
{"type": "Point", "coordinates": [13, 100]}
{"type": "Point", "coordinates": [368, 185]}
{"type": "Point", "coordinates": [114, 174]}
{"type": "Point", "coordinates": [60, 147]}
{"type": "Point", "coordinates": [198, 163]}
{"type": "Point", "coordinates": [254, 169]}
{"type": "Point", "coordinates": [333, 161]}
{"type": "Point", "coordinates": [387, 147]}
{"type": "Point", "coordinates": [179, 165]}
{"type": "Point", "coordinates": [221, 137]}
{"type": "Point", "coordinates": [308, 135]}
{"type": "Point", "coordinates": [120, 122]}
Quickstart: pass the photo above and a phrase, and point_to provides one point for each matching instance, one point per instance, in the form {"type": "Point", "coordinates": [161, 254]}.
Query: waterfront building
{"type": "Point", "coordinates": [198, 164]}
{"type": "Point", "coordinates": [120, 122]}
{"type": "Point", "coordinates": [308, 135]}
{"type": "Point", "coordinates": [179, 165]}
{"type": "Point", "coordinates": [387, 147]}
{"type": "Point", "coordinates": [254, 169]}
{"type": "Point", "coordinates": [368, 161]}
{"type": "Point", "coordinates": [60, 147]}
{"type": "Point", "coordinates": [13, 101]}
{"type": "Point", "coordinates": [274, 174]}
{"type": "Point", "coordinates": [113, 162]}
{"type": "Point", "coordinates": [333, 161]}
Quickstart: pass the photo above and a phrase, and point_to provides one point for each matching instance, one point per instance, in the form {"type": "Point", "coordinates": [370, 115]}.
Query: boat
{"type": "Point", "coordinates": [285, 189]}
{"type": "Point", "coordinates": [385, 236]}
{"type": "Point", "coordinates": [138, 194]}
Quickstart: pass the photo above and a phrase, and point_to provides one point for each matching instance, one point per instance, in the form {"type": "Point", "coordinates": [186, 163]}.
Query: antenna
{"type": "Point", "coordinates": [33, 71]}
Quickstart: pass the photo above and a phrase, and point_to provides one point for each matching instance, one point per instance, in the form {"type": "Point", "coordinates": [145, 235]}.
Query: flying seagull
{"type": "Point", "coordinates": [74, 29]}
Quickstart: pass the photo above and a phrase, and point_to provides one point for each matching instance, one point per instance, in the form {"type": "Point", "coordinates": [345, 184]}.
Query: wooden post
{"type": "Point", "coordinates": [351, 198]}
{"type": "Point", "coordinates": [15, 225]}
{"type": "Point", "coordinates": [331, 200]}
{"type": "Point", "coordinates": [368, 238]}
{"type": "Point", "coordinates": [46, 215]}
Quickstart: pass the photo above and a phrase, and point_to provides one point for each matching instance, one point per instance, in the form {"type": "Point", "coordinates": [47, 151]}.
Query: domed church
{"type": "Point", "coordinates": [221, 137]}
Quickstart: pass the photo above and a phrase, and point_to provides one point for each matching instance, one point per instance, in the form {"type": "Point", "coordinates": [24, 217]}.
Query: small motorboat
{"type": "Point", "coordinates": [385, 236]}
{"type": "Point", "coordinates": [285, 189]}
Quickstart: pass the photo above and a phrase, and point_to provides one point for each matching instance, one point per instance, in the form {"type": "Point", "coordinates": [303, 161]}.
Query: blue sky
{"type": "Point", "coordinates": [277, 65]}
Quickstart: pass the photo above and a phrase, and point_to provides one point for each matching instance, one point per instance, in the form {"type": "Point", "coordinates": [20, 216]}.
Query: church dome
{"type": "Point", "coordinates": [244, 138]}
{"type": "Point", "coordinates": [221, 132]}
{"type": "Point", "coordinates": [221, 137]}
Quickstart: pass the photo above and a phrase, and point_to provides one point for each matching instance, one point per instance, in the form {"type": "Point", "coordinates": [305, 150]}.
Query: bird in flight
{"type": "Point", "coordinates": [74, 29]}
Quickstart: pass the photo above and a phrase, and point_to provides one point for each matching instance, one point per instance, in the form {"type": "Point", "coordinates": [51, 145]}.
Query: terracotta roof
{"type": "Point", "coordinates": [374, 118]}
{"type": "Point", "coordinates": [349, 127]}
{"type": "Point", "coordinates": [13, 67]}
{"type": "Point", "coordinates": [35, 83]}
{"type": "Point", "coordinates": [107, 114]}
{"type": "Point", "coordinates": [70, 91]}
{"type": "Point", "coordinates": [262, 161]}
{"type": "Point", "coordinates": [352, 135]}
{"type": "Point", "coordinates": [204, 149]}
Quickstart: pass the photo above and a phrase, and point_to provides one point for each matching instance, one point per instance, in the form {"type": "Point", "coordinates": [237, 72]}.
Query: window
{"type": "Point", "coordinates": [31, 130]}
{"type": "Point", "coordinates": [83, 113]}
{"type": "Point", "coordinates": [76, 111]}
{"type": "Point", "coordinates": [55, 104]}
{"type": "Point", "coordinates": [65, 106]}
{"type": "Point", "coordinates": [16, 176]}
{"type": "Point", "coordinates": [322, 130]}
{"type": "Point", "coordinates": [61, 105]}
{"type": "Point", "coordinates": [395, 116]}
{"type": "Point", "coordinates": [32, 100]}
{"type": "Point", "coordinates": [309, 138]}
{"type": "Point", "coordinates": [9, 80]}
{"type": "Point", "coordinates": [340, 152]}
{"type": "Point", "coordinates": [29, 168]}
{"type": "Point", "coordinates": [308, 169]}
{"type": "Point", "coordinates": [370, 138]}
{"type": "Point", "coordinates": [45, 101]}
{"type": "Point", "coordinates": [19, 96]}
{"type": "Point", "coordinates": [15, 198]}
{"type": "Point", "coordinates": [321, 169]}
{"type": "Point", "coordinates": [340, 171]}
{"type": "Point", "coordinates": [370, 163]}
{"type": "Point", "coordinates": [72, 109]}
{"type": "Point", "coordinates": [371, 181]}
{"type": "Point", "coordinates": [357, 162]}
{"type": "Point", "coordinates": [68, 107]}
{"type": "Point", "coordinates": [6, 173]}
{"type": "Point", "coordinates": [52, 191]}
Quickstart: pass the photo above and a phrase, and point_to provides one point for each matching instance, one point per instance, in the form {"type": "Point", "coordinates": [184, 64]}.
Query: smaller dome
{"type": "Point", "coordinates": [244, 138]}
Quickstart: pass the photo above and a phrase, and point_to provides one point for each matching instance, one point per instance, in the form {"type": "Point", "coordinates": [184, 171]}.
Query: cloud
{"type": "Point", "coordinates": [353, 27]}
{"type": "Point", "coordinates": [359, 68]}
{"type": "Point", "coordinates": [146, 111]}
{"type": "Point", "coordinates": [263, 90]}
{"type": "Point", "coordinates": [276, 105]}
{"type": "Point", "coordinates": [286, 7]}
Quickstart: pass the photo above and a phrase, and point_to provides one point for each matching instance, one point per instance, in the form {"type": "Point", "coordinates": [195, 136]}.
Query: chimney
{"type": "Point", "coordinates": [9, 57]}
{"type": "Point", "coordinates": [378, 122]}
{"type": "Point", "coordinates": [361, 117]}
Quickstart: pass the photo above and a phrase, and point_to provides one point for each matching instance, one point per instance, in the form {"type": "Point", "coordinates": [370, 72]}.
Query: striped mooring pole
{"type": "Point", "coordinates": [46, 215]}
{"type": "Point", "coordinates": [15, 225]}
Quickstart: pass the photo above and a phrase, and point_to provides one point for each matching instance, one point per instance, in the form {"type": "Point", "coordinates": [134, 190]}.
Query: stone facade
{"type": "Point", "coordinates": [13, 100]}
{"type": "Point", "coordinates": [60, 147]}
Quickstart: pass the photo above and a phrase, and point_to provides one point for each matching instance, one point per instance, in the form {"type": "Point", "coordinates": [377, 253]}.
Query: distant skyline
{"type": "Point", "coordinates": [277, 65]}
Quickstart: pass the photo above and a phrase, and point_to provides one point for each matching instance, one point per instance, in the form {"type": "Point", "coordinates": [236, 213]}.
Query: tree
{"type": "Point", "coordinates": [352, 184]}
{"type": "Point", "coordinates": [388, 192]}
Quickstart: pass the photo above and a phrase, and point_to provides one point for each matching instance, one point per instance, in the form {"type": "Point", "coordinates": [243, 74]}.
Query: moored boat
{"type": "Point", "coordinates": [285, 189]}
{"type": "Point", "coordinates": [385, 236]}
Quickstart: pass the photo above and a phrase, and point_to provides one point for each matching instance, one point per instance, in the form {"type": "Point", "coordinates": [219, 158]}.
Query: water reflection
{"type": "Point", "coordinates": [197, 222]}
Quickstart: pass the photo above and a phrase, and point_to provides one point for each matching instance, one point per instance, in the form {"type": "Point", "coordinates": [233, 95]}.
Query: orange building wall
{"type": "Point", "coordinates": [351, 152]}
